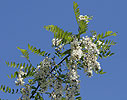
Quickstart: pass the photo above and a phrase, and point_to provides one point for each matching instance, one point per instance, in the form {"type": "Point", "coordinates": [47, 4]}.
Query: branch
{"type": "Point", "coordinates": [48, 75]}
{"type": "Point", "coordinates": [35, 91]}
{"type": "Point", "coordinates": [60, 63]}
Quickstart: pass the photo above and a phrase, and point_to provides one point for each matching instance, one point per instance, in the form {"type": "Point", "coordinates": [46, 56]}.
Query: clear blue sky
{"type": "Point", "coordinates": [22, 21]}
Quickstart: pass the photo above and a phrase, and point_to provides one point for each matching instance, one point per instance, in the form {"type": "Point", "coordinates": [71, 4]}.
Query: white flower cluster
{"type": "Point", "coordinates": [94, 37]}
{"type": "Point", "coordinates": [20, 77]}
{"type": "Point", "coordinates": [25, 93]}
{"type": "Point", "coordinates": [90, 58]}
{"type": "Point", "coordinates": [76, 52]}
{"type": "Point", "coordinates": [42, 72]}
{"type": "Point", "coordinates": [89, 45]}
{"type": "Point", "coordinates": [73, 75]}
{"type": "Point", "coordinates": [84, 18]}
{"type": "Point", "coordinates": [57, 43]}
{"type": "Point", "coordinates": [100, 43]}
{"type": "Point", "coordinates": [58, 90]}
{"type": "Point", "coordinates": [73, 87]}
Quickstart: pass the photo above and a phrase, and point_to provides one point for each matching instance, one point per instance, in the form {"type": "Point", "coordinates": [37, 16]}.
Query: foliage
{"type": "Point", "coordinates": [59, 33]}
{"type": "Point", "coordinates": [60, 81]}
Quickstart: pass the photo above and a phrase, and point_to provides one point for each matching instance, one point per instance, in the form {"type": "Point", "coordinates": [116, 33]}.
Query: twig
{"type": "Point", "coordinates": [48, 75]}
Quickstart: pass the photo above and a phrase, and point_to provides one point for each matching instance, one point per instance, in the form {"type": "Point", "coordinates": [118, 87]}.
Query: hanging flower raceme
{"type": "Point", "coordinates": [58, 90]}
{"type": "Point", "coordinates": [76, 52]}
{"type": "Point", "coordinates": [90, 58]}
{"type": "Point", "coordinates": [20, 77]}
{"type": "Point", "coordinates": [25, 93]}
{"type": "Point", "coordinates": [87, 49]}
{"type": "Point", "coordinates": [73, 86]}
{"type": "Point", "coordinates": [42, 73]}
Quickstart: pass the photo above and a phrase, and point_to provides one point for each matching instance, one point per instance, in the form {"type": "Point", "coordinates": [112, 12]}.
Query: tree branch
{"type": "Point", "coordinates": [35, 91]}
{"type": "Point", "coordinates": [60, 63]}
{"type": "Point", "coordinates": [48, 75]}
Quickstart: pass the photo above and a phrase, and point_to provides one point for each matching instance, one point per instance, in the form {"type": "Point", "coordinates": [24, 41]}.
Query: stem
{"type": "Point", "coordinates": [48, 75]}
{"type": "Point", "coordinates": [35, 91]}
{"type": "Point", "coordinates": [59, 63]}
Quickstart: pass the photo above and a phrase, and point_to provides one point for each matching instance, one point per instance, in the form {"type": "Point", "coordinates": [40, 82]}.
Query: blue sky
{"type": "Point", "coordinates": [22, 21]}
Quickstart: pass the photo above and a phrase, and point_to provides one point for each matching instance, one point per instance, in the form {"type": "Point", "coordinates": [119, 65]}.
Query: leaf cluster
{"type": "Point", "coordinates": [59, 33]}
{"type": "Point", "coordinates": [8, 89]}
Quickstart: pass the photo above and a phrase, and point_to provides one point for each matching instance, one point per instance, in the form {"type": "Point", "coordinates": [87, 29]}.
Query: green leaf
{"type": "Point", "coordinates": [98, 37]}
{"type": "Point", "coordinates": [108, 53]}
{"type": "Point", "coordinates": [100, 56]}
{"type": "Point", "coordinates": [13, 64]}
{"type": "Point", "coordinates": [8, 89]}
{"type": "Point", "coordinates": [15, 74]}
{"type": "Point", "coordinates": [109, 33]}
{"type": "Point", "coordinates": [77, 94]}
{"type": "Point", "coordinates": [8, 76]}
{"type": "Point", "coordinates": [82, 28]}
{"type": "Point", "coordinates": [13, 91]}
{"type": "Point", "coordinates": [76, 11]}
{"type": "Point", "coordinates": [62, 76]}
{"type": "Point", "coordinates": [101, 35]}
{"type": "Point", "coordinates": [78, 98]}
{"type": "Point", "coordinates": [63, 98]}
{"type": "Point", "coordinates": [29, 47]}
{"type": "Point", "coordinates": [59, 33]}
{"type": "Point", "coordinates": [33, 87]}
{"type": "Point", "coordinates": [11, 75]}
{"type": "Point", "coordinates": [101, 72]}
{"type": "Point", "coordinates": [24, 52]}
{"type": "Point", "coordinates": [114, 34]}
{"type": "Point", "coordinates": [37, 51]}
{"type": "Point", "coordinates": [111, 54]}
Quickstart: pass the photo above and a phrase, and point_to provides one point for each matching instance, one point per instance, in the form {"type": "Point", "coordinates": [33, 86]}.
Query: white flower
{"type": "Point", "coordinates": [19, 81]}
{"type": "Point", "coordinates": [61, 46]}
{"type": "Point", "coordinates": [53, 41]}
{"type": "Point", "coordinates": [73, 87]}
{"type": "Point", "coordinates": [76, 54]}
{"type": "Point", "coordinates": [20, 77]}
{"type": "Point", "coordinates": [42, 71]}
{"type": "Point", "coordinates": [53, 95]}
{"type": "Point", "coordinates": [85, 18]}
{"type": "Point", "coordinates": [99, 42]}
{"type": "Point", "coordinates": [90, 58]}
{"type": "Point", "coordinates": [56, 42]}
{"type": "Point", "coordinates": [90, 73]}
{"type": "Point", "coordinates": [58, 89]}
{"type": "Point", "coordinates": [81, 17]}
{"type": "Point", "coordinates": [26, 92]}
{"type": "Point", "coordinates": [94, 36]}
{"type": "Point", "coordinates": [74, 75]}
{"type": "Point", "coordinates": [98, 65]}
